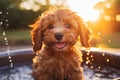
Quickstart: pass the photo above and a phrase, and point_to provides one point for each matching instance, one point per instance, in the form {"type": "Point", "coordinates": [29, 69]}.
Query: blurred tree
{"type": "Point", "coordinates": [109, 15]}
{"type": "Point", "coordinates": [14, 15]}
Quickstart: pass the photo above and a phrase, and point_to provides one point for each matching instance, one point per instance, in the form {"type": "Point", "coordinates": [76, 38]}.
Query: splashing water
{"type": "Point", "coordinates": [3, 25]}
{"type": "Point", "coordinates": [89, 57]}
{"type": "Point", "coordinates": [8, 49]}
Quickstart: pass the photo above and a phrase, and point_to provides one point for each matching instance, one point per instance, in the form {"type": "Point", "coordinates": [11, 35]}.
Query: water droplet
{"type": "Point", "coordinates": [88, 54]}
{"type": "Point", "coordinates": [92, 59]}
{"type": "Point", "coordinates": [3, 33]}
{"type": "Point", "coordinates": [108, 60]}
{"type": "Point", "coordinates": [90, 62]}
{"type": "Point", "coordinates": [7, 49]}
{"type": "Point", "coordinates": [6, 20]}
{"type": "Point", "coordinates": [6, 12]}
{"type": "Point", "coordinates": [91, 67]}
{"type": "Point", "coordinates": [87, 58]}
{"type": "Point", "coordinates": [9, 57]}
{"type": "Point", "coordinates": [7, 25]}
{"type": "Point", "coordinates": [91, 56]}
{"type": "Point", "coordinates": [10, 60]}
{"type": "Point", "coordinates": [99, 67]}
{"type": "Point", "coordinates": [0, 12]}
{"type": "Point", "coordinates": [1, 23]}
{"type": "Point", "coordinates": [5, 39]}
{"type": "Point", "coordinates": [6, 43]}
{"type": "Point", "coordinates": [103, 54]}
{"type": "Point", "coordinates": [87, 62]}
{"type": "Point", "coordinates": [11, 65]}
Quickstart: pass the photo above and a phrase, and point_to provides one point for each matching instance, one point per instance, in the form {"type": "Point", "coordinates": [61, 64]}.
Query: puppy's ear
{"type": "Point", "coordinates": [36, 34]}
{"type": "Point", "coordinates": [84, 33]}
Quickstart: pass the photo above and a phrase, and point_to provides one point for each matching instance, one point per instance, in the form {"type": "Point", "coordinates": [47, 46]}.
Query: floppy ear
{"type": "Point", "coordinates": [36, 34]}
{"type": "Point", "coordinates": [84, 33]}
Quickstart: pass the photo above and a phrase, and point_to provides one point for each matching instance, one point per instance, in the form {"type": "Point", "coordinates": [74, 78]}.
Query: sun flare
{"type": "Point", "coordinates": [85, 8]}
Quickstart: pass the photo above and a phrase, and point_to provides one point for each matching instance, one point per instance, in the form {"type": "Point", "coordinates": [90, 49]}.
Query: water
{"type": "Point", "coordinates": [89, 58]}
{"type": "Point", "coordinates": [4, 19]}
{"type": "Point", "coordinates": [19, 72]}
{"type": "Point", "coordinates": [23, 72]}
{"type": "Point", "coordinates": [8, 49]}
{"type": "Point", "coordinates": [100, 73]}
{"type": "Point", "coordinates": [3, 26]}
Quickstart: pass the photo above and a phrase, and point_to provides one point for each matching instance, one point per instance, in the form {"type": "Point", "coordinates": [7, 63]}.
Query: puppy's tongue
{"type": "Point", "coordinates": [60, 45]}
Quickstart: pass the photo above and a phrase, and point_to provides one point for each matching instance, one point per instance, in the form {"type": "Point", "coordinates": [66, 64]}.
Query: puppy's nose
{"type": "Point", "coordinates": [58, 36]}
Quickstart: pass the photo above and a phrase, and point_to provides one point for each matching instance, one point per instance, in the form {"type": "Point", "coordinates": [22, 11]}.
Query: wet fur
{"type": "Point", "coordinates": [51, 63]}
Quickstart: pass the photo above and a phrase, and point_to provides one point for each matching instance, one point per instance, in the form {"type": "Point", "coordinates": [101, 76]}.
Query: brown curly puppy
{"type": "Point", "coordinates": [54, 36]}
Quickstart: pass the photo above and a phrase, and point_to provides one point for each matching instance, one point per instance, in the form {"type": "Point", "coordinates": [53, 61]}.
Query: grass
{"type": "Point", "coordinates": [23, 36]}
{"type": "Point", "coordinates": [17, 35]}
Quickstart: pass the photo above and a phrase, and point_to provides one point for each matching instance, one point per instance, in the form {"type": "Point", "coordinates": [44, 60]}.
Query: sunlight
{"type": "Point", "coordinates": [85, 8]}
{"type": "Point", "coordinates": [28, 4]}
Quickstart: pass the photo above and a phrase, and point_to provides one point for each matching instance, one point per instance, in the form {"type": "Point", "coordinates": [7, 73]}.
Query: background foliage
{"type": "Point", "coordinates": [14, 17]}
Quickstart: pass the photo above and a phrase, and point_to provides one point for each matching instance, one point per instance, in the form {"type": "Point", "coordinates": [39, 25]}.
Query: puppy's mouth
{"type": "Point", "coordinates": [60, 45]}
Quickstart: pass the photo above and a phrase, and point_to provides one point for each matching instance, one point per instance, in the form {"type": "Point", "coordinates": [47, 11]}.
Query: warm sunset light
{"type": "Point", "coordinates": [28, 4]}
{"type": "Point", "coordinates": [85, 8]}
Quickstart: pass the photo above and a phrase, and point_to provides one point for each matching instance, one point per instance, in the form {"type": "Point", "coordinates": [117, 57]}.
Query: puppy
{"type": "Point", "coordinates": [55, 36]}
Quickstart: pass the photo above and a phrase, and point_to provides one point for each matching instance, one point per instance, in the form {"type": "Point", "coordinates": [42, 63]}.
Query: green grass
{"type": "Point", "coordinates": [17, 35]}
{"type": "Point", "coordinates": [23, 36]}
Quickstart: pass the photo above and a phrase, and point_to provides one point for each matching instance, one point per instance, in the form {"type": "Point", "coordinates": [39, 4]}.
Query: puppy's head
{"type": "Point", "coordinates": [59, 29]}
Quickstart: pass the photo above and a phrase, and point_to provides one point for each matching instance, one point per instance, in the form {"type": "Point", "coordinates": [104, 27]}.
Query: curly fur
{"type": "Point", "coordinates": [62, 28]}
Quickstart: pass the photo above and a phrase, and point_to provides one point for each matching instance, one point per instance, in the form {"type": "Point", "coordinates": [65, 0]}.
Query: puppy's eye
{"type": "Point", "coordinates": [67, 25]}
{"type": "Point", "coordinates": [51, 26]}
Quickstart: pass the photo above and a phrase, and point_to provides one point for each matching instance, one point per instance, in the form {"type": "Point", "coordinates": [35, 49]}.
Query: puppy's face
{"type": "Point", "coordinates": [60, 35]}
{"type": "Point", "coordinates": [59, 30]}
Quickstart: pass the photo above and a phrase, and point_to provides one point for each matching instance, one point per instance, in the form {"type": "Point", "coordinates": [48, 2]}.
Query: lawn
{"type": "Point", "coordinates": [16, 37]}
{"type": "Point", "coordinates": [111, 40]}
